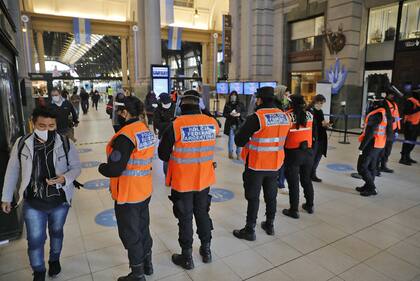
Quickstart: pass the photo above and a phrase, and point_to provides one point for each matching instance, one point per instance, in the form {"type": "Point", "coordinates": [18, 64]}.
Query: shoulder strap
{"type": "Point", "coordinates": [66, 145]}
{"type": "Point", "coordinates": [21, 145]}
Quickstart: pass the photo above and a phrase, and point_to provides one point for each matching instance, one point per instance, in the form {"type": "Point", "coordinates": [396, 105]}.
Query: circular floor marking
{"type": "Point", "coordinates": [339, 167]}
{"type": "Point", "coordinates": [96, 184]}
{"type": "Point", "coordinates": [221, 195]}
{"type": "Point", "coordinates": [106, 218]}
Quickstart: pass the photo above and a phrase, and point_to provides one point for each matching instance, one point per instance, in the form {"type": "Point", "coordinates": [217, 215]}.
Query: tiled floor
{"type": "Point", "coordinates": [348, 237]}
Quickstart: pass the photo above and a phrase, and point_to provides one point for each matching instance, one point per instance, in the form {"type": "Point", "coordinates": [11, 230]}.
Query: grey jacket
{"type": "Point", "coordinates": [14, 172]}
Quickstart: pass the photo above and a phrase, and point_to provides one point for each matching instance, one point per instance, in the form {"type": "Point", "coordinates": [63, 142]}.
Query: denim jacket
{"type": "Point", "coordinates": [15, 172]}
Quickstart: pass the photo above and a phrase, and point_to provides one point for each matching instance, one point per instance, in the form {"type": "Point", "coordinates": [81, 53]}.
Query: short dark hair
{"type": "Point", "coordinates": [133, 105]}
{"type": "Point", "coordinates": [319, 98]}
{"type": "Point", "coordinates": [42, 111]}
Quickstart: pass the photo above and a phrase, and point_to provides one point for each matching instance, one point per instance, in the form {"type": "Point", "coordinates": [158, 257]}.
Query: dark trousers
{"type": "Point", "coordinates": [253, 181]}
{"type": "Point", "coordinates": [185, 206]}
{"type": "Point", "coordinates": [85, 106]}
{"type": "Point", "coordinates": [385, 153]}
{"type": "Point", "coordinates": [133, 228]}
{"type": "Point", "coordinates": [317, 152]}
{"type": "Point", "coordinates": [410, 134]}
{"type": "Point", "coordinates": [367, 165]}
{"type": "Point", "coordinates": [299, 164]}
{"type": "Point", "coordinates": [95, 104]}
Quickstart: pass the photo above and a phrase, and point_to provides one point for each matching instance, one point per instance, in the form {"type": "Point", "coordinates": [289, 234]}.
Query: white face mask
{"type": "Point", "coordinates": [318, 106]}
{"type": "Point", "coordinates": [43, 135]}
{"type": "Point", "coordinates": [166, 105]}
{"type": "Point", "coordinates": [56, 99]}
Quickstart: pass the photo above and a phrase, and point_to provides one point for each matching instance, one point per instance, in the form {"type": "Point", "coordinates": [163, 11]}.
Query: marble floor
{"type": "Point", "coordinates": [348, 238]}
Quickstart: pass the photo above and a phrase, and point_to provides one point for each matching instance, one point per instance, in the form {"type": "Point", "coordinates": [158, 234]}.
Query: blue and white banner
{"type": "Point", "coordinates": [81, 30]}
{"type": "Point", "coordinates": [174, 38]}
{"type": "Point", "coordinates": [166, 12]}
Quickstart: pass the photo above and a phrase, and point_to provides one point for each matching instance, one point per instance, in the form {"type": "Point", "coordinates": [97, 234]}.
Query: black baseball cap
{"type": "Point", "coordinates": [265, 92]}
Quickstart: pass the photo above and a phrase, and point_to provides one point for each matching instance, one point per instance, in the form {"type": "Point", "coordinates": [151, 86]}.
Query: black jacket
{"type": "Point", "coordinates": [148, 103]}
{"type": "Point", "coordinates": [319, 132]}
{"type": "Point", "coordinates": [162, 118]}
{"type": "Point", "coordinates": [63, 113]}
{"type": "Point", "coordinates": [230, 120]}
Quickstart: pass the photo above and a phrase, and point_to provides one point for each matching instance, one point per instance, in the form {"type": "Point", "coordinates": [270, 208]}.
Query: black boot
{"type": "Point", "coordinates": [268, 227]}
{"type": "Point", "coordinates": [39, 275]}
{"type": "Point", "coordinates": [148, 265]}
{"type": "Point", "coordinates": [54, 268]}
{"type": "Point", "coordinates": [405, 160]}
{"type": "Point", "coordinates": [290, 213]}
{"type": "Point", "coordinates": [184, 260]}
{"type": "Point", "coordinates": [368, 192]}
{"type": "Point", "coordinates": [307, 208]}
{"type": "Point", "coordinates": [412, 161]}
{"type": "Point", "coordinates": [385, 169]}
{"type": "Point", "coordinates": [361, 188]}
{"type": "Point", "coordinates": [136, 274]}
{"type": "Point", "coordinates": [247, 233]}
{"type": "Point", "coordinates": [315, 178]}
{"type": "Point", "coordinates": [205, 252]}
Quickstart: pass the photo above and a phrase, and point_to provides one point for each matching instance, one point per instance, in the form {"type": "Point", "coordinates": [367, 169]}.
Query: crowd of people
{"type": "Point", "coordinates": [283, 139]}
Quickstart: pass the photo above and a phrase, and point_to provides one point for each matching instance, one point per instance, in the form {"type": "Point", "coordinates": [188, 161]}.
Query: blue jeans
{"type": "Point", "coordinates": [36, 226]}
{"type": "Point", "coordinates": [282, 178]}
{"type": "Point", "coordinates": [231, 142]}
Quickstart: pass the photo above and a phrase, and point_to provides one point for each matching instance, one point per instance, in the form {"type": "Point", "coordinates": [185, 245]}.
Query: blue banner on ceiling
{"type": "Point", "coordinates": [174, 38]}
{"type": "Point", "coordinates": [82, 31]}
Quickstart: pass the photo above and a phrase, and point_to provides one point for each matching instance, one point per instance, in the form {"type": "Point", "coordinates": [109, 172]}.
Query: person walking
{"type": "Point", "coordinates": [234, 112]}
{"type": "Point", "coordinates": [411, 126]}
{"type": "Point", "coordinates": [95, 99]}
{"type": "Point", "coordinates": [65, 114]}
{"type": "Point", "coordinates": [75, 101]}
{"type": "Point", "coordinates": [129, 167]}
{"type": "Point", "coordinates": [299, 157]}
{"type": "Point", "coordinates": [319, 133]}
{"type": "Point", "coordinates": [262, 137]}
{"type": "Point", "coordinates": [188, 145]}
{"type": "Point", "coordinates": [151, 104]}
{"type": "Point", "coordinates": [84, 96]}
{"type": "Point", "coordinates": [44, 164]}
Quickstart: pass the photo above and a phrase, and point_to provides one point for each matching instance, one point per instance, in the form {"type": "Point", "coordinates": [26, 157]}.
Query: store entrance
{"type": "Point", "coordinates": [304, 83]}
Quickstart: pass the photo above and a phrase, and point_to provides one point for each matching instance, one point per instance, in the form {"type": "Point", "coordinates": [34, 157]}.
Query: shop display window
{"type": "Point", "coordinates": [410, 20]}
{"type": "Point", "coordinates": [306, 35]}
{"type": "Point", "coordinates": [382, 24]}
{"type": "Point", "coordinates": [304, 83]}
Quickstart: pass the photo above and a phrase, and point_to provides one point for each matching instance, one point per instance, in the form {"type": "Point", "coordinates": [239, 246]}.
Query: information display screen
{"type": "Point", "coordinates": [160, 86]}
{"type": "Point", "coordinates": [268, 84]}
{"type": "Point", "coordinates": [236, 86]}
{"type": "Point", "coordinates": [250, 88]}
{"type": "Point", "coordinates": [222, 88]}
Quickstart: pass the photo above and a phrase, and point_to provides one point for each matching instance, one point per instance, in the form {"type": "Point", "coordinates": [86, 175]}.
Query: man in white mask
{"type": "Point", "coordinates": [63, 109]}
{"type": "Point", "coordinates": [43, 166]}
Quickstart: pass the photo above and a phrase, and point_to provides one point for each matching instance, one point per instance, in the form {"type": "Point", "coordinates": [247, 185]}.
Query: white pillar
{"type": "Point", "coordinates": [152, 35]}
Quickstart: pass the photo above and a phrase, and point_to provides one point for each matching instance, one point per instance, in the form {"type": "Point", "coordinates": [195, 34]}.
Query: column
{"type": "Point", "coordinates": [40, 45]}
{"type": "Point", "coordinates": [235, 64]}
{"type": "Point", "coordinates": [247, 37]}
{"type": "Point", "coordinates": [124, 61]}
{"type": "Point", "coordinates": [278, 46]}
{"type": "Point", "coordinates": [131, 60]}
{"type": "Point", "coordinates": [204, 63]}
{"type": "Point", "coordinates": [141, 43]}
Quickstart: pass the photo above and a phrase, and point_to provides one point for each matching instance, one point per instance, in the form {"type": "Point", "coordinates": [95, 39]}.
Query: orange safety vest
{"type": "Point", "coordinates": [134, 185]}
{"type": "Point", "coordinates": [264, 151]}
{"type": "Point", "coordinates": [415, 117]}
{"type": "Point", "coordinates": [380, 132]}
{"type": "Point", "coordinates": [191, 167]}
{"type": "Point", "coordinates": [297, 136]}
{"type": "Point", "coordinates": [395, 114]}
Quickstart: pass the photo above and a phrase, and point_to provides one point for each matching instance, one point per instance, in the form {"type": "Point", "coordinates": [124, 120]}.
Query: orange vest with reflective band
{"type": "Point", "coordinates": [380, 132]}
{"type": "Point", "coordinates": [395, 114]}
{"type": "Point", "coordinates": [135, 183]}
{"type": "Point", "coordinates": [415, 117]}
{"type": "Point", "coordinates": [264, 151]}
{"type": "Point", "coordinates": [297, 136]}
{"type": "Point", "coordinates": [191, 167]}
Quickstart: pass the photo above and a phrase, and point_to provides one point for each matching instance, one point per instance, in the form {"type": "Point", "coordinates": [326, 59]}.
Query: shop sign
{"type": "Point", "coordinates": [227, 38]}
{"type": "Point", "coordinates": [336, 75]}
{"type": "Point", "coordinates": [410, 44]}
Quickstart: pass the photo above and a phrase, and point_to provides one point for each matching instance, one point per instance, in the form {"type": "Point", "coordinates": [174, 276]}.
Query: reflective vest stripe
{"type": "Point", "coordinates": [264, 148]}
{"type": "Point", "coordinates": [140, 161]}
{"type": "Point", "coordinates": [136, 173]}
{"type": "Point", "coordinates": [301, 129]}
{"type": "Point", "coordinates": [268, 140]}
{"type": "Point", "coordinates": [192, 160]}
{"type": "Point", "coordinates": [194, 149]}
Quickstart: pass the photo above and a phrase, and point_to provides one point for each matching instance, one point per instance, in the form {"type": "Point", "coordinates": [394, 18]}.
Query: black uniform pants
{"type": "Point", "coordinates": [385, 153]}
{"type": "Point", "coordinates": [367, 165]}
{"type": "Point", "coordinates": [85, 106]}
{"type": "Point", "coordinates": [253, 181]}
{"type": "Point", "coordinates": [133, 228]}
{"type": "Point", "coordinates": [299, 163]}
{"type": "Point", "coordinates": [185, 206]}
{"type": "Point", "coordinates": [410, 134]}
{"type": "Point", "coordinates": [317, 151]}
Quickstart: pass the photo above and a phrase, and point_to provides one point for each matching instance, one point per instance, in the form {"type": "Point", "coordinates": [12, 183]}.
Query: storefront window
{"type": "Point", "coordinates": [382, 24]}
{"type": "Point", "coordinates": [304, 83]}
{"type": "Point", "coordinates": [307, 35]}
{"type": "Point", "coordinates": [410, 20]}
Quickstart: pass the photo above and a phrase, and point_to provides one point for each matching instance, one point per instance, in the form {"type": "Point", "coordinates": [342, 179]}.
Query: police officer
{"type": "Point", "coordinates": [411, 126]}
{"type": "Point", "coordinates": [372, 142]}
{"type": "Point", "coordinates": [188, 144]}
{"type": "Point", "coordinates": [262, 137]}
{"type": "Point", "coordinates": [396, 125]}
{"type": "Point", "coordinates": [299, 158]}
{"type": "Point", "coordinates": [130, 154]}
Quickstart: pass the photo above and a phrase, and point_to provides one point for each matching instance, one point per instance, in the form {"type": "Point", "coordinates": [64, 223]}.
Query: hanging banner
{"type": "Point", "coordinates": [166, 12]}
{"type": "Point", "coordinates": [174, 38]}
{"type": "Point", "coordinates": [81, 30]}
{"type": "Point", "coordinates": [336, 75]}
{"type": "Point", "coordinates": [227, 38]}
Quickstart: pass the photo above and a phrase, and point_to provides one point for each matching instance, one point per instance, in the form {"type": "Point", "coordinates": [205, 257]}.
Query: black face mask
{"type": "Point", "coordinates": [121, 120]}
